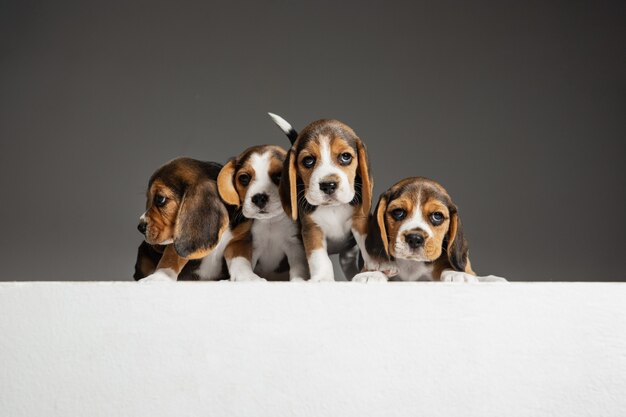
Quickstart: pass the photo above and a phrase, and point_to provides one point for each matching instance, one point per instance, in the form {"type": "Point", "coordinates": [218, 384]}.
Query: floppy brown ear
{"type": "Point", "coordinates": [457, 245]}
{"type": "Point", "coordinates": [288, 186]}
{"type": "Point", "coordinates": [226, 184]}
{"type": "Point", "coordinates": [377, 241]}
{"type": "Point", "coordinates": [201, 220]}
{"type": "Point", "coordinates": [367, 182]}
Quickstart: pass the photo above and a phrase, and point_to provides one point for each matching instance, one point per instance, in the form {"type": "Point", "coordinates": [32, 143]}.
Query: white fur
{"type": "Point", "coordinates": [336, 224]}
{"type": "Point", "coordinates": [449, 275]}
{"type": "Point", "coordinates": [326, 166]}
{"type": "Point", "coordinates": [282, 123]}
{"type": "Point", "coordinates": [416, 221]}
{"type": "Point", "coordinates": [370, 276]}
{"type": "Point", "coordinates": [409, 270]}
{"type": "Point", "coordinates": [211, 265]}
{"type": "Point", "coordinates": [241, 270]}
{"type": "Point", "coordinates": [272, 240]}
{"type": "Point", "coordinates": [321, 266]}
{"type": "Point", "coordinates": [161, 275]}
{"type": "Point", "coordinates": [262, 184]}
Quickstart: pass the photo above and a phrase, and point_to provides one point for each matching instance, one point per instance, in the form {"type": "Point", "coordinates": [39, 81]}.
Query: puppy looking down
{"type": "Point", "coordinates": [326, 185]}
{"type": "Point", "coordinates": [266, 242]}
{"type": "Point", "coordinates": [186, 220]}
{"type": "Point", "coordinates": [415, 234]}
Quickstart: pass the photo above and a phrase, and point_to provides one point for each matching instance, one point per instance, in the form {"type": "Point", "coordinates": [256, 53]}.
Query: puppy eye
{"type": "Point", "coordinates": [345, 158]}
{"type": "Point", "coordinates": [159, 200]}
{"type": "Point", "coordinates": [276, 178]}
{"type": "Point", "coordinates": [308, 161]}
{"type": "Point", "coordinates": [398, 213]}
{"type": "Point", "coordinates": [436, 218]}
{"type": "Point", "coordinates": [244, 179]}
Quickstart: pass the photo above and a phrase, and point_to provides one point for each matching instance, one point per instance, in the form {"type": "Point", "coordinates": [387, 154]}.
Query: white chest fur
{"type": "Point", "coordinates": [269, 239]}
{"type": "Point", "coordinates": [414, 271]}
{"type": "Point", "coordinates": [211, 265]}
{"type": "Point", "coordinates": [335, 222]}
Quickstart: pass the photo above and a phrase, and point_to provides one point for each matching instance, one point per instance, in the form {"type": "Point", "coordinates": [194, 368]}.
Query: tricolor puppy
{"type": "Point", "coordinates": [265, 240]}
{"type": "Point", "coordinates": [327, 186]}
{"type": "Point", "coordinates": [184, 213]}
{"type": "Point", "coordinates": [415, 234]}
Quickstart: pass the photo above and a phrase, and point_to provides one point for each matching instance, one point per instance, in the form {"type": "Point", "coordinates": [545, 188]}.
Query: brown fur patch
{"type": "Point", "coordinates": [407, 201]}
{"type": "Point", "coordinates": [172, 260]}
{"type": "Point", "coordinates": [241, 242]}
{"type": "Point", "coordinates": [312, 236]}
{"type": "Point", "coordinates": [367, 182]}
{"type": "Point", "coordinates": [312, 149]}
{"type": "Point", "coordinates": [161, 220]}
{"type": "Point", "coordinates": [433, 245]}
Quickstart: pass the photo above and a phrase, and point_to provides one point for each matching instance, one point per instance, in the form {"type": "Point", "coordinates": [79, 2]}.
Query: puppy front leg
{"type": "Point", "coordinates": [320, 265]}
{"type": "Point", "coordinates": [168, 268]}
{"type": "Point", "coordinates": [238, 255]}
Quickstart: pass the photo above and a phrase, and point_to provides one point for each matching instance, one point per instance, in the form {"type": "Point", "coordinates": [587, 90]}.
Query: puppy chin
{"type": "Point", "coordinates": [321, 199]}
{"type": "Point", "coordinates": [253, 212]}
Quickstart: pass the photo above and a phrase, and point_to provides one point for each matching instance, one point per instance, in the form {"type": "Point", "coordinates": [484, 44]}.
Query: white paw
{"type": "Point", "coordinates": [296, 279]}
{"type": "Point", "coordinates": [491, 278]}
{"type": "Point", "coordinates": [160, 275]}
{"type": "Point", "coordinates": [370, 276]}
{"type": "Point", "coordinates": [246, 277]}
{"type": "Point", "coordinates": [322, 278]}
{"type": "Point", "coordinates": [457, 276]}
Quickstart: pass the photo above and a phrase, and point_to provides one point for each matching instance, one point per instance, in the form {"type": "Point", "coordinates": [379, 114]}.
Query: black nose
{"type": "Point", "coordinates": [260, 200]}
{"type": "Point", "coordinates": [328, 187]}
{"type": "Point", "coordinates": [414, 240]}
{"type": "Point", "coordinates": [142, 227]}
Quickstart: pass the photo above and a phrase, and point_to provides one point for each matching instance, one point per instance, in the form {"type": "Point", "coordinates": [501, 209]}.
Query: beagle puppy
{"type": "Point", "coordinates": [415, 234]}
{"type": "Point", "coordinates": [326, 185]}
{"type": "Point", "coordinates": [265, 241]}
{"type": "Point", "coordinates": [186, 220]}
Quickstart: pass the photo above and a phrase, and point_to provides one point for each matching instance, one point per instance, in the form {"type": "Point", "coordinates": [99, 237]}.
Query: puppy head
{"type": "Point", "coordinates": [417, 220]}
{"type": "Point", "coordinates": [183, 208]}
{"type": "Point", "coordinates": [326, 166]}
{"type": "Point", "coordinates": [251, 181]}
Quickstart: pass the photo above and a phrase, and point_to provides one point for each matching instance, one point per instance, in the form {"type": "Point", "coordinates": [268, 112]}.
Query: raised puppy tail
{"type": "Point", "coordinates": [285, 127]}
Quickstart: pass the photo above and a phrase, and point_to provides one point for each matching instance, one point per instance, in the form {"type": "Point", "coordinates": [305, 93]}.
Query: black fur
{"type": "Point", "coordinates": [458, 252]}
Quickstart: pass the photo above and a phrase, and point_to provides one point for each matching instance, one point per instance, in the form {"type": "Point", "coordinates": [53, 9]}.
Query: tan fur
{"type": "Point", "coordinates": [293, 187]}
{"type": "Point", "coordinates": [161, 219]}
{"type": "Point", "coordinates": [240, 244]}
{"type": "Point", "coordinates": [170, 259]}
{"type": "Point", "coordinates": [367, 183]}
{"type": "Point", "coordinates": [312, 236]}
{"type": "Point", "coordinates": [407, 202]}
{"type": "Point", "coordinates": [225, 184]}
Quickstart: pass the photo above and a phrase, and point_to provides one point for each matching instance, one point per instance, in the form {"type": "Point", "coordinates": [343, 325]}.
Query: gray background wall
{"type": "Point", "coordinates": [517, 108]}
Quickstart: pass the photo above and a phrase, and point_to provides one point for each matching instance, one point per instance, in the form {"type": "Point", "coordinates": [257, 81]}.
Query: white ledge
{"type": "Point", "coordinates": [337, 349]}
